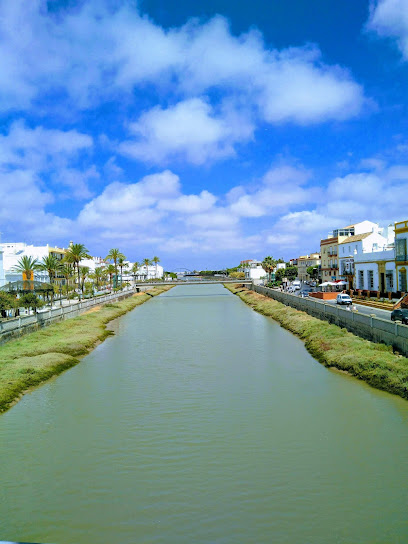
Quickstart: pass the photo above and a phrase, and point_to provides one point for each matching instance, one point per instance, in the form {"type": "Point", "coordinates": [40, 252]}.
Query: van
{"type": "Point", "coordinates": [296, 284]}
{"type": "Point", "coordinates": [342, 298]}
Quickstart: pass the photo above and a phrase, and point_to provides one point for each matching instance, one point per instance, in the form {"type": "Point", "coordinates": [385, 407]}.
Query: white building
{"type": "Point", "coordinates": [367, 260]}
{"type": "Point", "coordinates": [145, 273]}
{"type": "Point", "coordinates": [253, 270]}
{"type": "Point", "coordinates": [13, 252]}
{"type": "Point", "coordinates": [401, 247]}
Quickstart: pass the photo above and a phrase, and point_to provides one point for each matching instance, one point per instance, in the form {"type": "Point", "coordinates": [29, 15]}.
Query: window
{"type": "Point", "coordinates": [389, 280]}
{"type": "Point", "coordinates": [361, 279]}
{"type": "Point", "coordinates": [403, 281]}
{"type": "Point", "coordinates": [401, 249]}
{"type": "Point", "coordinates": [370, 274]}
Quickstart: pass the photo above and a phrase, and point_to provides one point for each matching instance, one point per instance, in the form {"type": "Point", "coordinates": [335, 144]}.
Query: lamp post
{"type": "Point", "coordinates": [60, 293]}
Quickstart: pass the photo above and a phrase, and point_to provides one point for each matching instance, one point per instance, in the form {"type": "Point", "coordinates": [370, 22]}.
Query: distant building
{"type": "Point", "coordinates": [329, 248]}
{"type": "Point", "coordinates": [401, 255]}
{"type": "Point", "coordinates": [304, 262]}
{"type": "Point", "coordinates": [360, 268]}
{"type": "Point", "coordinates": [253, 270]}
{"type": "Point", "coordinates": [13, 252]}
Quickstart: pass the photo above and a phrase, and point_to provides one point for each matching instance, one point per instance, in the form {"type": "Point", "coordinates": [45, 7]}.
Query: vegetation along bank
{"type": "Point", "coordinates": [36, 357]}
{"type": "Point", "coordinates": [336, 347]}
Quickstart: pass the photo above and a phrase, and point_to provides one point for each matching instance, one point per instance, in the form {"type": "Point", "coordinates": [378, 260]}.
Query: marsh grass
{"type": "Point", "coordinates": [35, 357]}
{"type": "Point", "coordinates": [333, 346]}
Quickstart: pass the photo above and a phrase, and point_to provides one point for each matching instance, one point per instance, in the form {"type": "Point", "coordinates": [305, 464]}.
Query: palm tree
{"type": "Point", "coordinates": [110, 270]}
{"type": "Point", "coordinates": [122, 264]}
{"type": "Point", "coordinates": [114, 255]}
{"type": "Point", "coordinates": [74, 255]}
{"type": "Point", "coordinates": [146, 263]}
{"type": "Point", "coordinates": [27, 266]}
{"type": "Point", "coordinates": [98, 276]}
{"type": "Point", "coordinates": [268, 264]}
{"type": "Point", "coordinates": [135, 270]}
{"type": "Point", "coordinates": [66, 271]}
{"type": "Point", "coordinates": [84, 271]}
{"type": "Point", "coordinates": [52, 265]}
{"type": "Point", "coordinates": [156, 260]}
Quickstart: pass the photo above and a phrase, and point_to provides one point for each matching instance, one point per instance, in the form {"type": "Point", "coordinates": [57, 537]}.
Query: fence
{"type": "Point", "coordinates": [21, 325]}
{"type": "Point", "coordinates": [368, 327]}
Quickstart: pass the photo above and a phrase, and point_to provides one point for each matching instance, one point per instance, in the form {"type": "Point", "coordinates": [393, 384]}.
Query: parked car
{"type": "Point", "coordinates": [304, 292]}
{"type": "Point", "coordinates": [290, 289]}
{"type": "Point", "coordinates": [342, 298]}
{"type": "Point", "coordinates": [400, 315]}
{"type": "Point", "coordinates": [296, 284]}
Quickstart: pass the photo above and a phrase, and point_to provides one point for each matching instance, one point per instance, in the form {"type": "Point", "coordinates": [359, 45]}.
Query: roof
{"type": "Point", "coordinates": [355, 238]}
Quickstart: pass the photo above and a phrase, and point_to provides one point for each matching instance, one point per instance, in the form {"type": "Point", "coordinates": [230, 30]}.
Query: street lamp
{"type": "Point", "coordinates": [60, 292]}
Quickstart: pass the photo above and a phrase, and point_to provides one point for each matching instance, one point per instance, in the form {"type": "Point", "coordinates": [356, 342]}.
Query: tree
{"type": "Point", "coordinates": [30, 300]}
{"type": "Point", "coordinates": [147, 263]}
{"type": "Point", "coordinates": [291, 272]}
{"type": "Point", "coordinates": [84, 272]}
{"type": "Point", "coordinates": [98, 276]}
{"type": "Point", "coordinates": [27, 266]}
{"type": "Point", "coordinates": [114, 255]}
{"type": "Point", "coordinates": [110, 270]}
{"type": "Point", "coordinates": [238, 275]}
{"type": "Point", "coordinates": [7, 302]}
{"type": "Point", "coordinates": [312, 271]}
{"type": "Point", "coordinates": [268, 264]}
{"type": "Point", "coordinates": [66, 271]}
{"type": "Point", "coordinates": [74, 255]}
{"type": "Point", "coordinates": [135, 270]}
{"type": "Point", "coordinates": [122, 264]}
{"type": "Point", "coordinates": [51, 264]}
{"type": "Point", "coordinates": [156, 260]}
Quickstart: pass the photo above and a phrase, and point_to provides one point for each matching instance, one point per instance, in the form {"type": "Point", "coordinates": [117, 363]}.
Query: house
{"type": "Point", "coordinates": [304, 262]}
{"type": "Point", "coordinates": [356, 248]}
{"type": "Point", "coordinates": [14, 251]}
{"type": "Point", "coordinates": [401, 255]}
{"type": "Point", "coordinates": [374, 265]}
{"type": "Point", "coordinates": [253, 270]}
{"type": "Point", "coordinates": [329, 248]}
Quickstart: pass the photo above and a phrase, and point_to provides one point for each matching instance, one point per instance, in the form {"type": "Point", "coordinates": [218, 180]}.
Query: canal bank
{"type": "Point", "coordinates": [335, 347]}
{"type": "Point", "coordinates": [37, 356]}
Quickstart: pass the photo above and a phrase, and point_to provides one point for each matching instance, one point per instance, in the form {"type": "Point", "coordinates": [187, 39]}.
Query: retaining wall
{"type": "Point", "coordinates": [13, 328]}
{"type": "Point", "coordinates": [368, 327]}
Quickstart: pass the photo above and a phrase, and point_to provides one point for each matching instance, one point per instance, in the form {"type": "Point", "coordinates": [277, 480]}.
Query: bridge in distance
{"type": "Point", "coordinates": [191, 282]}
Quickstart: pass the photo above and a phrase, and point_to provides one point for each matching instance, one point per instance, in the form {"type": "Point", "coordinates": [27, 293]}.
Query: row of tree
{"type": "Point", "coordinates": [70, 267]}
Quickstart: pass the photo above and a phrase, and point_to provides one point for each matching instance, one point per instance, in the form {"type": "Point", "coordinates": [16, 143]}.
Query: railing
{"type": "Point", "coordinates": [367, 326]}
{"type": "Point", "coordinates": [402, 258]}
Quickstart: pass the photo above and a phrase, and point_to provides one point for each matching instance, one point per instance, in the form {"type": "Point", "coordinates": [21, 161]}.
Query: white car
{"type": "Point", "coordinates": [342, 298]}
{"type": "Point", "coordinates": [296, 284]}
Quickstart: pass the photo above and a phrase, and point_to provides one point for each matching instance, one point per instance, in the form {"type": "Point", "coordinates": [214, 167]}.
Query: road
{"type": "Point", "coordinates": [383, 314]}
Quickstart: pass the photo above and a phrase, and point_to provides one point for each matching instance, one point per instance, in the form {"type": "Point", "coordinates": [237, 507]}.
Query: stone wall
{"type": "Point", "coordinates": [369, 327]}
{"type": "Point", "coordinates": [13, 328]}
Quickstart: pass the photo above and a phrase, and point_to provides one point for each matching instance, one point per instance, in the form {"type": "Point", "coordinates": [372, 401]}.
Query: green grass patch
{"type": "Point", "coordinates": [35, 357]}
{"type": "Point", "coordinates": [333, 346]}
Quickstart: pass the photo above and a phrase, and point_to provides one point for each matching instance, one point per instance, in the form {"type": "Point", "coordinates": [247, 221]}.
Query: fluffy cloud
{"type": "Point", "coordinates": [279, 189]}
{"type": "Point", "coordinates": [389, 18]}
{"type": "Point", "coordinates": [94, 52]}
{"type": "Point", "coordinates": [188, 131]}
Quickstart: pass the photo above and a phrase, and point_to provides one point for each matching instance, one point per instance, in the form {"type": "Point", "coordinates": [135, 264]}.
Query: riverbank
{"type": "Point", "coordinates": [36, 357]}
{"type": "Point", "coordinates": [335, 347]}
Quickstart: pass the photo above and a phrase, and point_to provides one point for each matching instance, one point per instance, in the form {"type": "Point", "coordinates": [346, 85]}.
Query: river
{"type": "Point", "coordinates": [202, 421]}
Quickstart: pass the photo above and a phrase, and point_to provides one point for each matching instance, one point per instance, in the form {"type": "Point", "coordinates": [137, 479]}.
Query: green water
{"type": "Point", "coordinates": [202, 421]}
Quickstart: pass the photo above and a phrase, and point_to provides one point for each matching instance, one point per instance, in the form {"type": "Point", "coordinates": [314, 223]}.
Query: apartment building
{"type": "Point", "coordinates": [401, 255]}
{"type": "Point", "coordinates": [304, 262]}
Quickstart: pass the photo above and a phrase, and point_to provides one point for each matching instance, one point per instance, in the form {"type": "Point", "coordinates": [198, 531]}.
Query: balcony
{"type": "Point", "coordinates": [332, 253]}
{"type": "Point", "coordinates": [402, 258]}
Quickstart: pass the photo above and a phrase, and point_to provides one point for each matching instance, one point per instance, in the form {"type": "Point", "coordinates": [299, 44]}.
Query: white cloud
{"type": "Point", "coordinates": [389, 18]}
{"type": "Point", "coordinates": [280, 188]}
{"type": "Point", "coordinates": [189, 130]}
{"type": "Point", "coordinates": [94, 52]}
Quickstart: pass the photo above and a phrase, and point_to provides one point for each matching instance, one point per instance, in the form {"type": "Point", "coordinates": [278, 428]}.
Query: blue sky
{"type": "Point", "coordinates": [204, 132]}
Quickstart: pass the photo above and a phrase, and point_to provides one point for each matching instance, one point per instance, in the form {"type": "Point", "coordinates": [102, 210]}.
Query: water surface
{"type": "Point", "coordinates": [202, 421]}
